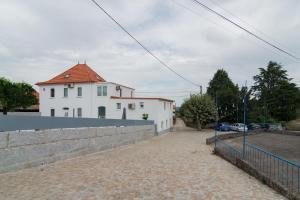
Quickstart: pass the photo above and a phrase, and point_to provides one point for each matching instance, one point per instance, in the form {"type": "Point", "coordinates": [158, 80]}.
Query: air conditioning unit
{"type": "Point", "coordinates": [131, 106]}
{"type": "Point", "coordinates": [71, 85]}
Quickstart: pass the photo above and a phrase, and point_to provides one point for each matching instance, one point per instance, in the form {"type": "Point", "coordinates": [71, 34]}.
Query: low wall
{"type": "Point", "coordinates": [36, 114]}
{"type": "Point", "coordinates": [22, 149]}
{"type": "Point", "coordinates": [226, 136]}
{"type": "Point", "coordinates": [14, 123]}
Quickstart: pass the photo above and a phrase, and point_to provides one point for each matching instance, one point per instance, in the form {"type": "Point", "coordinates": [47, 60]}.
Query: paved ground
{"type": "Point", "coordinates": [174, 166]}
{"type": "Point", "coordinates": [286, 146]}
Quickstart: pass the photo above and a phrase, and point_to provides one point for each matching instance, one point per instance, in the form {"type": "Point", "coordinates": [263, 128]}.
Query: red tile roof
{"type": "Point", "coordinates": [80, 73]}
{"type": "Point", "coordinates": [142, 98]}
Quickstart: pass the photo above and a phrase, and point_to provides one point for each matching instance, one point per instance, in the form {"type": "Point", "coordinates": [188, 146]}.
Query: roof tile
{"type": "Point", "coordinates": [80, 73]}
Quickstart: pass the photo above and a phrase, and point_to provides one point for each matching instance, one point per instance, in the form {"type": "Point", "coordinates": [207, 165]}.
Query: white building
{"type": "Point", "coordinates": [81, 92]}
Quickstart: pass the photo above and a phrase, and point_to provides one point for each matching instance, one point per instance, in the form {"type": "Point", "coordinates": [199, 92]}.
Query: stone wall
{"type": "Point", "coordinates": [22, 149]}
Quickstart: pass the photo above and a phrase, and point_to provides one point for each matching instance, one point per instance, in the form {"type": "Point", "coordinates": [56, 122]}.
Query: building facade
{"type": "Point", "coordinates": [81, 92]}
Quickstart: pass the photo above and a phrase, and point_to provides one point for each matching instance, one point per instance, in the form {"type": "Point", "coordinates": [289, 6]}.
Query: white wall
{"type": "Point", "coordinates": [72, 101]}
{"type": "Point", "coordinates": [154, 109]}
{"type": "Point", "coordinates": [89, 102]}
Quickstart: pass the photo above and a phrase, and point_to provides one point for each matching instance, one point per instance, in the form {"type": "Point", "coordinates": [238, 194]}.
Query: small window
{"type": "Point", "coordinates": [79, 91]}
{"type": "Point", "coordinates": [52, 92]}
{"type": "Point", "coordinates": [166, 123]}
{"type": "Point", "coordinates": [44, 89]}
{"type": "Point", "coordinates": [118, 106]}
{"type": "Point", "coordinates": [99, 91]}
{"type": "Point", "coordinates": [164, 105]}
{"type": "Point", "coordinates": [79, 112]}
{"type": "Point", "coordinates": [65, 92]}
{"type": "Point", "coordinates": [52, 112]}
{"type": "Point", "coordinates": [104, 90]}
{"type": "Point", "coordinates": [162, 124]}
{"type": "Point", "coordinates": [142, 105]}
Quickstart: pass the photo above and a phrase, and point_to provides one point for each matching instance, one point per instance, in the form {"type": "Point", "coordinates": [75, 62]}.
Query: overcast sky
{"type": "Point", "coordinates": [39, 39]}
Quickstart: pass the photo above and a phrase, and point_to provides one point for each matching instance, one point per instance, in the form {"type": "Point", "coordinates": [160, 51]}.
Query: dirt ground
{"type": "Point", "coordinates": [286, 146]}
{"type": "Point", "coordinates": [178, 165]}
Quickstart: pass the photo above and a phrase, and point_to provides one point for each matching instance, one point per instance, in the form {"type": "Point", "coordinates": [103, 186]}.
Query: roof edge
{"type": "Point", "coordinates": [58, 83]}
{"type": "Point", "coordinates": [143, 98]}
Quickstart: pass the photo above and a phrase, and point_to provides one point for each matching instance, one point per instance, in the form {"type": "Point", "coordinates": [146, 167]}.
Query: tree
{"type": "Point", "coordinates": [275, 94]}
{"type": "Point", "coordinates": [226, 93]}
{"type": "Point", "coordinates": [14, 95]}
{"type": "Point", "coordinates": [200, 109]}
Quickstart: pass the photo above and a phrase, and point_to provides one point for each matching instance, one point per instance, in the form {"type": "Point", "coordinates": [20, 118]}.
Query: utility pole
{"type": "Point", "coordinates": [244, 135]}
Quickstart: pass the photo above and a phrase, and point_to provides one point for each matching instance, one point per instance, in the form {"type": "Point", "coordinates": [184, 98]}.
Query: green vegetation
{"type": "Point", "coordinates": [199, 109]}
{"type": "Point", "coordinates": [223, 90]}
{"type": "Point", "coordinates": [15, 95]}
{"type": "Point", "coordinates": [145, 116]}
{"type": "Point", "coordinates": [272, 99]}
{"type": "Point", "coordinates": [276, 97]}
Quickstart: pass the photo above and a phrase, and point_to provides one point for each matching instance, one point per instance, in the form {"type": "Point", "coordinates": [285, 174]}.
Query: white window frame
{"type": "Point", "coordinates": [79, 114]}
{"type": "Point", "coordinates": [104, 90]}
{"type": "Point", "coordinates": [66, 92]}
{"type": "Point", "coordinates": [52, 89]}
{"type": "Point", "coordinates": [119, 106]}
{"type": "Point", "coordinates": [99, 91]}
{"type": "Point", "coordinates": [79, 89]}
{"type": "Point", "coordinates": [52, 109]}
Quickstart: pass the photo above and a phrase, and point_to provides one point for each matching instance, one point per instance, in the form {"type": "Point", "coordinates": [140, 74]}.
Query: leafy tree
{"type": "Point", "coordinates": [226, 93]}
{"type": "Point", "coordinates": [14, 95]}
{"type": "Point", "coordinates": [275, 94]}
{"type": "Point", "coordinates": [200, 109]}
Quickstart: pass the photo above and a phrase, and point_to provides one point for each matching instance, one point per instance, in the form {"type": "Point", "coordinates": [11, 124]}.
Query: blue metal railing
{"type": "Point", "coordinates": [227, 150]}
{"type": "Point", "coordinates": [276, 168]}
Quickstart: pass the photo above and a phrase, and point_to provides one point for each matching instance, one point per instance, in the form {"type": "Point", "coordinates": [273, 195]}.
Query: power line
{"type": "Point", "coordinates": [144, 47]}
{"type": "Point", "coordinates": [246, 30]}
{"type": "Point", "coordinates": [223, 28]}
{"type": "Point", "coordinates": [247, 23]}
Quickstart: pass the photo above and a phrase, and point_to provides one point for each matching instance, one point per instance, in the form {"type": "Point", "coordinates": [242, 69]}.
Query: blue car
{"type": "Point", "coordinates": [223, 127]}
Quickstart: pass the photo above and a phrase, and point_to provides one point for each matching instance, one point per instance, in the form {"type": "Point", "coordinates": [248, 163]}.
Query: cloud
{"type": "Point", "coordinates": [41, 39]}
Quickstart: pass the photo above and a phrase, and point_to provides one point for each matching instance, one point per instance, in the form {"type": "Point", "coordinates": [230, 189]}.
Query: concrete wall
{"type": "Point", "coordinates": [22, 113]}
{"type": "Point", "coordinates": [22, 149]}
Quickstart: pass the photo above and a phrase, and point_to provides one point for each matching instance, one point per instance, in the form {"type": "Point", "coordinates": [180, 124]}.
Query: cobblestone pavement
{"type": "Point", "coordinates": [174, 166]}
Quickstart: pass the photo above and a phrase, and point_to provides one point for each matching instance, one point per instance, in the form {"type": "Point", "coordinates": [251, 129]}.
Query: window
{"type": "Point", "coordinates": [79, 112]}
{"type": "Point", "coordinates": [131, 106]}
{"type": "Point", "coordinates": [165, 105]}
{"type": "Point", "coordinates": [104, 90]}
{"type": "Point", "coordinates": [52, 112]}
{"type": "Point", "coordinates": [66, 110]}
{"type": "Point", "coordinates": [166, 123]}
{"type": "Point", "coordinates": [79, 91]}
{"type": "Point", "coordinates": [52, 92]}
{"type": "Point", "coordinates": [99, 91]}
{"type": "Point", "coordinates": [118, 106]}
{"type": "Point", "coordinates": [162, 124]}
{"type": "Point", "coordinates": [142, 105]}
{"type": "Point", "coordinates": [65, 92]}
